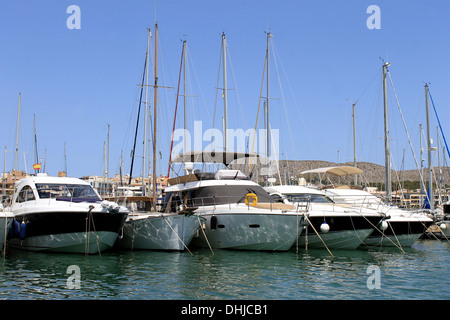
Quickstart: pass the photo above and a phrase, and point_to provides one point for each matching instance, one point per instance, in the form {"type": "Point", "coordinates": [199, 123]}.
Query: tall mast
{"type": "Point", "coordinates": [107, 160]}
{"type": "Point", "coordinates": [267, 101]}
{"type": "Point", "coordinates": [154, 117]}
{"type": "Point", "coordinates": [387, 152]}
{"type": "Point", "coordinates": [421, 157]}
{"type": "Point", "coordinates": [17, 138]}
{"type": "Point", "coordinates": [225, 102]}
{"type": "Point", "coordinates": [185, 95]}
{"type": "Point", "coordinates": [430, 174]}
{"type": "Point", "coordinates": [36, 156]}
{"type": "Point", "coordinates": [146, 119]}
{"type": "Point", "coordinates": [354, 140]}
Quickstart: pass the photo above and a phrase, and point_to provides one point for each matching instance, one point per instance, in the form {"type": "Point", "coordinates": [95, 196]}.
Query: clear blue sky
{"type": "Point", "coordinates": [77, 82]}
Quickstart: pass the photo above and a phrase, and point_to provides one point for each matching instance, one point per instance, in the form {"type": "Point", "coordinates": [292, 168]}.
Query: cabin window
{"type": "Point", "coordinates": [66, 192]}
{"type": "Point", "coordinates": [303, 197]}
{"type": "Point", "coordinates": [26, 194]}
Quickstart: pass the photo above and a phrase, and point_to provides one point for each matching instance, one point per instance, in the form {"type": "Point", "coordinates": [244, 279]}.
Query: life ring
{"type": "Point", "coordinates": [254, 199]}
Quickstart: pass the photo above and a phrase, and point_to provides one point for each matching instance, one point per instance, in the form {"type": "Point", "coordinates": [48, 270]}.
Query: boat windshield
{"type": "Point", "coordinates": [304, 197]}
{"type": "Point", "coordinates": [67, 192]}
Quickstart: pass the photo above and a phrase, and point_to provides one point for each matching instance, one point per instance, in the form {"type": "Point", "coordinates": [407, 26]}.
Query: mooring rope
{"type": "Point", "coordinates": [382, 232]}
{"type": "Point", "coordinates": [306, 216]}
{"type": "Point", "coordinates": [88, 230]}
{"type": "Point", "coordinates": [176, 235]}
{"type": "Point", "coordinates": [204, 234]}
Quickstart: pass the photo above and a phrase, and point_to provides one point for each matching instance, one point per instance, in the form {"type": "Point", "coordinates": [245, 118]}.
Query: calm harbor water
{"type": "Point", "coordinates": [422, 272]}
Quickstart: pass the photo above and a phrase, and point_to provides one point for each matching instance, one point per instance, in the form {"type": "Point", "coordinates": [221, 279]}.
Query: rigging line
{"type": "Point", "coordinates": [257, 113]}
{"type": "Point", "coordinates": [175, 116]}
{"type": "Point", "coordinates": [439, 122]}
{"type": "Point", "coordinates": [292, 93]}
{"type": "Point", "coordinates": [393, 232]}
{"type": "Point", "coordinates": [406, 129]}
{"type": "Point", "coordinates": [177, 235]}
{"type": "Point", "coordinates": [323, 242]}
{"type": "Point", "coordinates": [217, 86]}
{"type": "Point", "coordinates": [398, 179]}
{"type": "Point", "coordinates": [282, 96]}
{"type": "Point", "coordinates": [370, 83]}
{"type": "Point", "coordinates": [235, 84]}
{"type": "Point", "coordinates": [191, 63]}
{"type": "Point", "coordinates": [204, 234]}
{"type": "Point", "coordinates": [137, 122]}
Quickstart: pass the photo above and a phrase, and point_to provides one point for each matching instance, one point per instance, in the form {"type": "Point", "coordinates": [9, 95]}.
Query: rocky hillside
{"type": "Point", "coordinates": [372, 172]}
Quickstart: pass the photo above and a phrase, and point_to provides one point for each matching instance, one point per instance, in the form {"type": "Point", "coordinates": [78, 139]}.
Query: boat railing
{"type": "Point", "coordinates": [359, 201]}
{"type": "Point", "coordinates": [177, 205]}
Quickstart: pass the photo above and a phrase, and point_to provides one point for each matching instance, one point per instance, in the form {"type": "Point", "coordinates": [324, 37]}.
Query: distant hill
{"type": "Point", "coordinates": [373, 173]}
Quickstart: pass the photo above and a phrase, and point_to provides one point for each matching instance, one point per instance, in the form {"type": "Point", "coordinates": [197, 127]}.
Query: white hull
{"type": "Point", "coordinates": [244, 228]}
{"type": "Point", "coordinates": [171, 232]}
{"type": "Point", "coordinates": [5, 224]}
{"type": "Point", "coordinates": [446, 230]}
{"type": "Point", "coordinates": [76, 242]}
{"type": "Point", "coordinates": [347, 239]}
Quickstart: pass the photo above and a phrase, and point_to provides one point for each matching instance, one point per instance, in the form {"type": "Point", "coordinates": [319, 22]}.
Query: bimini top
{"type": "Point", "coordinates": [225, 157]}
{"type": "Point", "coordinates": [336, 171]}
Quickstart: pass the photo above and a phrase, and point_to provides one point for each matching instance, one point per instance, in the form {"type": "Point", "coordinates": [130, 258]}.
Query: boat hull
{"type": "Point", "coordinates": [76, 242]}
{"type": "Point", "coordinates": [345, 231]}
{"type": "Point", "coordinates": [401, 232]}
{"type": "Point", "coordinates": [248, 231]}
{"type": "Point", "coordinates": [5, 224]}
{"type": "Point", "coordinates": [168, 232]}
{"type": "Point", "coordinates": [66, 231]}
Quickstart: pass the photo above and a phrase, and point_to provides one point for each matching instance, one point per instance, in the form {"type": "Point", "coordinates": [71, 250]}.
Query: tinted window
{"type": "Point", "coordinates": [26, 194]}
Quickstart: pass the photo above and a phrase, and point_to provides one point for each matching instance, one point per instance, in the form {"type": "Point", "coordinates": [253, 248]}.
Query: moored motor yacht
{"type": "Point", "coordinates": [328, 224]}
{"type": "Point", "coordinates": [239, 213]}
{"type": "Point", "coordinates": [404, 226]}
{"type": "Point", "coordinates": [62, 214]}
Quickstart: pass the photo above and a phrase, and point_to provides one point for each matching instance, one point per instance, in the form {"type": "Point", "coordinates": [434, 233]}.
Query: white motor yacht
{"type": "Point", "coordinates": [239, 213]}
{"type": "Point", "coordinates": [404, 226]}
{"type": "Point", "coordinates": [63, 214]}
{"type": "Point", "coordinates": [328, 224]}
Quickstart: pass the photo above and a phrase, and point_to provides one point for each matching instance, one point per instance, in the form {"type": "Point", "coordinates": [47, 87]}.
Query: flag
{"type": "Point", "coordinates": [36, 166]}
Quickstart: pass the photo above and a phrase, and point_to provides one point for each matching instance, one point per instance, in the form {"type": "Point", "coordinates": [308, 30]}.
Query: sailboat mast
{"type": "Point", "coordinates": [225, 102]}
{"type": "Point", "coordinates": [430, 174]}
{"type": "Point", "coordinates": [185, 95]}
{"type": "Point", "coordinates": [146, 118]}
{"type": "Point", "coordinates": [36, 156]}
{"type": "Point", "coordinates": [354, 140]}
{"type": "Point", "coordinates": [267, 101]}
{"type": "Point", "coordinates": [387, 152]}
{"type": "Point", "coordinates": [154, 117]}
{"type": "Point", "coordinates": [17, 138]}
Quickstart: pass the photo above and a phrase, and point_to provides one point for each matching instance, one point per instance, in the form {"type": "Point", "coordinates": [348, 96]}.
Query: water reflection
{"type": "Point", "coordinates": [420, 272]}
